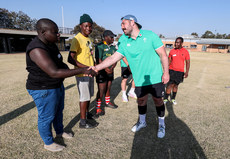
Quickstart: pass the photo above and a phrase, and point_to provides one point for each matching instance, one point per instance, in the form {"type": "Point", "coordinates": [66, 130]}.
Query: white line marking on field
{"type": "Point", "coordinates": [201, 81]}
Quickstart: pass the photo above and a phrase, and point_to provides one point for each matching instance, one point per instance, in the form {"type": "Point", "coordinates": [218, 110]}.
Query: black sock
{"type": "Point", "coordinates": [174, 95]}
{"type": "Point", "coordinates": [166, 96]}
{"type": "Point", "coordinates": [160, 110]}
{"type": "Point", "coordinates": [142, 109]}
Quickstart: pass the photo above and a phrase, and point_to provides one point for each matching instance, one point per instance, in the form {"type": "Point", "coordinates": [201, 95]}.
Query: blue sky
{"type": "Point", "coordinates": [167, 17]}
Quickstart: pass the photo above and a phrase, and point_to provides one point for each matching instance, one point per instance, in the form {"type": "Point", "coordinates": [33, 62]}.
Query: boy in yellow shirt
{"type": "Point", "coordinates": [81, 56]}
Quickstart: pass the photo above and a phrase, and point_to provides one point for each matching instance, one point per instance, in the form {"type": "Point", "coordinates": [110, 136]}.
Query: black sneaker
{"type": "Point", "coordinates": [89, 115]}
{"type": "Point", "coordinates": [87, 125]}
{"type": "Point", "coordinates": [111, 105]}
{"type": "Point", "coordinates": [96, 116]}
{"type": "Point", "coordinates": [99, 113]}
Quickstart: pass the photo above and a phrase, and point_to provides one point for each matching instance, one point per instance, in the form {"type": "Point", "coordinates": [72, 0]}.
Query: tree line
{"type": "Point", "coordinates": [211, 35]}
{"type": "Point", "coordinates": [16, 20]}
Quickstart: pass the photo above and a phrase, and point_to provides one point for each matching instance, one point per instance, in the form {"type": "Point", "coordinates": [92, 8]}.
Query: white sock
{"type": "Point", "coordinates": [161, 121]}
{"type": "Point", "coordinates": [124, 93]}
{"type": "Point", "coordinates": [142, 118]}
{"type": "Point", "coordinates": [131, 90]}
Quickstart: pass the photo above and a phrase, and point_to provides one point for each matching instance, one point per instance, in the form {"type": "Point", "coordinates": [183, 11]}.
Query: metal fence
{"type": "Point", "coordinates": [65, 30]}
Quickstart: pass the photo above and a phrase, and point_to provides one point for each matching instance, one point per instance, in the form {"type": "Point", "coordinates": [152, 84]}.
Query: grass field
{"type": "Point", "coordinates": [197, 127]}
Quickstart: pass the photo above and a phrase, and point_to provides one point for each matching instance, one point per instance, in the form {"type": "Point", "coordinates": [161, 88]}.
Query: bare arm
{"type": "Point", "coordinates": [42, 59]}
{"type": "Point", "coordinates": [164, 60]}
{"type": "Point", "coordinates": [125, 61]}
{"type": "Point", "coordinates": [187, 68]}
{"type": "Point", "coordinates": [170, 60]}
{"type": "Point", "coordinates": [74, 62]}
{"type": "Point", "coordinates": [109, 61]}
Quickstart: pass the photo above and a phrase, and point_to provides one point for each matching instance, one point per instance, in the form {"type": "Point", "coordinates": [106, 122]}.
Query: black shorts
{"type": "Point", "coordinates": [176, 77]}
{"type": "Point", "coordinates": [104, 77]}
{"type": "Point", "coordinates": [156, 90]}
{"type": "Point", "coordinates": [125, 73]}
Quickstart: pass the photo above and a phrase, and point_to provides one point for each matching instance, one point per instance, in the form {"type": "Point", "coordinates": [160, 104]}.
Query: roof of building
{"type": "Point", "coordinates": [24, 32]}
{"type": "Point", "coordinates": [214, 41]}
{"type": "Point", "coordinates": [185, 39]}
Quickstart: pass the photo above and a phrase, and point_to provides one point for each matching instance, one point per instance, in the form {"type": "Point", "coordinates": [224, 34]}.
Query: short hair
{"type": "Point", "coordinates": [44, 23]}
{"type": "Point", "coordinates": [182, 40]}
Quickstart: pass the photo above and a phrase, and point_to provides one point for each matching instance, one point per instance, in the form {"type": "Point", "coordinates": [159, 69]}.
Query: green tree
{"type": "Point", "coordinates": [6, 19]}
{"type": "Point", "coordinates": [220, 36]}
{"type": "Point", "coordinates": [195, 34]}
{"type": "Point", "coordinates": [14, 20]}
{"type": "Point", "coordinates": [24, 22]}
{"type": "Point", "coordinates": [96, 34]}
{"type": "Point", "coordinates": [208, 34]}
{"type": "Point", "coordinates": [227, 36]}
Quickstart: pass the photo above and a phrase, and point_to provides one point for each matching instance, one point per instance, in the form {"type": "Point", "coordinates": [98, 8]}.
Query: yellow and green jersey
{"type": "Point", "coordinates": [83, 47]}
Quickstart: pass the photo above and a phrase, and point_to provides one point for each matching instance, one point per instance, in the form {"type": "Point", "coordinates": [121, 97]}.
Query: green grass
{"type": "Point", "coordinates": [198, 127]}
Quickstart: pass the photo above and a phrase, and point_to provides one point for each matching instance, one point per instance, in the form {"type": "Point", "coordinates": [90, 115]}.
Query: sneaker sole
{"type": "Point", "coordinates": [113, 107]}
{"type": "Point", "coordinates": [83, 127]}
{"type": "Point", "coordinates": [161, 137]}
{"type": "Point", "coordinates": [53, 150]}
{"type": "Point", "coordinates": [87, 127]}
{"type": "Point", "coordinates": [139, 129]}
{"type": "Point", "coordinates": [133, 97]}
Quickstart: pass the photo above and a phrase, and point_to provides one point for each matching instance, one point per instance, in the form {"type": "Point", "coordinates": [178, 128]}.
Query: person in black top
{"type": "Point", "coordinates": [45, 81]}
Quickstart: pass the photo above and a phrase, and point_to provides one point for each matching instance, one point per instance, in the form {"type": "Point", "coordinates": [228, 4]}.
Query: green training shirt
{"type": "Point", "coordinates": [102, 50]}
{"type": "Point", "coordinates": [143, 60]}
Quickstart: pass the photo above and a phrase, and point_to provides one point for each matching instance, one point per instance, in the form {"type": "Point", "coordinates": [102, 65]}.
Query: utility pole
{"type": "Point", "coordinates": [62, 20]}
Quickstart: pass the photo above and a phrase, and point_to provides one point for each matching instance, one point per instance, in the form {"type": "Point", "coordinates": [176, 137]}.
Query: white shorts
{"type": "Point", "coordinates": [85, 87]}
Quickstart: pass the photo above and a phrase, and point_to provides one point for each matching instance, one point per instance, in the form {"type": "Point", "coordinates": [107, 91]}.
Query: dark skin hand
{"type": "Point", "coordinates": [41, 58]}
{"type": "Point", "coordinates": [187, 68]}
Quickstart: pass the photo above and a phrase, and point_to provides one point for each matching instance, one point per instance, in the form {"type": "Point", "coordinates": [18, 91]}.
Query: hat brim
{"type": "Point", "coordinates": [139, 26]}
{"type": "Point", "coordinates": [113, 35]}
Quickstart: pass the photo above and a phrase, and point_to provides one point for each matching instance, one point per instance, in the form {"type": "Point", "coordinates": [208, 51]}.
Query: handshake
{"type": "Point", "coordinates": [90, 71]}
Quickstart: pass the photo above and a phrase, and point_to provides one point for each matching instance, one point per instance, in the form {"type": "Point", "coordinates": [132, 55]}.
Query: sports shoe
{"type": "Point", "coordinates": [54, 147]}
{"type": "Point", "coordinates": [138, 126]}
{"type": "Point", "coordinates": [174, 102]}
{"type": "Point", "coordinates": [65, 135]}
{"type": "Point", "coordinates": [87, 125]}
{"type": "Point", "coordinates": [165, 101]}
{"type": "Point", "coordinates": [124, 98]}
{"type": "Point", "coordinates": [161, 131]}
{"type": "Point", "coordinates": [89, 115]}
{"type": "Point", "coordinates": [133, 95]}
{"type": "Point", "coordinates": [99, 112]}
{"type": "Point", "coordinates": [111, 105]}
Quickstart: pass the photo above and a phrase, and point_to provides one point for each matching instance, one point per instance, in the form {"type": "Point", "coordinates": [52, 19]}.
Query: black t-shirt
{"type": "Point", "coordinates": [37, 78]}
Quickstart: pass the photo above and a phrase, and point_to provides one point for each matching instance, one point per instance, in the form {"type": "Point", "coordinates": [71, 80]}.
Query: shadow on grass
{"type": "Point", "coordinates": [21, 110]}
{"type": "Point", "coordinates": [115, 89]}
{"type": "Point", "coordinates": [179, 142]}
{"type": "Point", "coordinates": [15, 113]}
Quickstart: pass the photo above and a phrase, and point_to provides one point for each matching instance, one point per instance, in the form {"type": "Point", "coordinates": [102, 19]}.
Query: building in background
{"type": "Point", "coordinates": [200, 44]}
{"type": "Point", "coordinates": [12, 41]}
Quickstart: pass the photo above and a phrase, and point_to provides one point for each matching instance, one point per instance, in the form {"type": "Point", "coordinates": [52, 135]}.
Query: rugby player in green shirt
{"type": "Point", "coordinates": [146, 56]}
